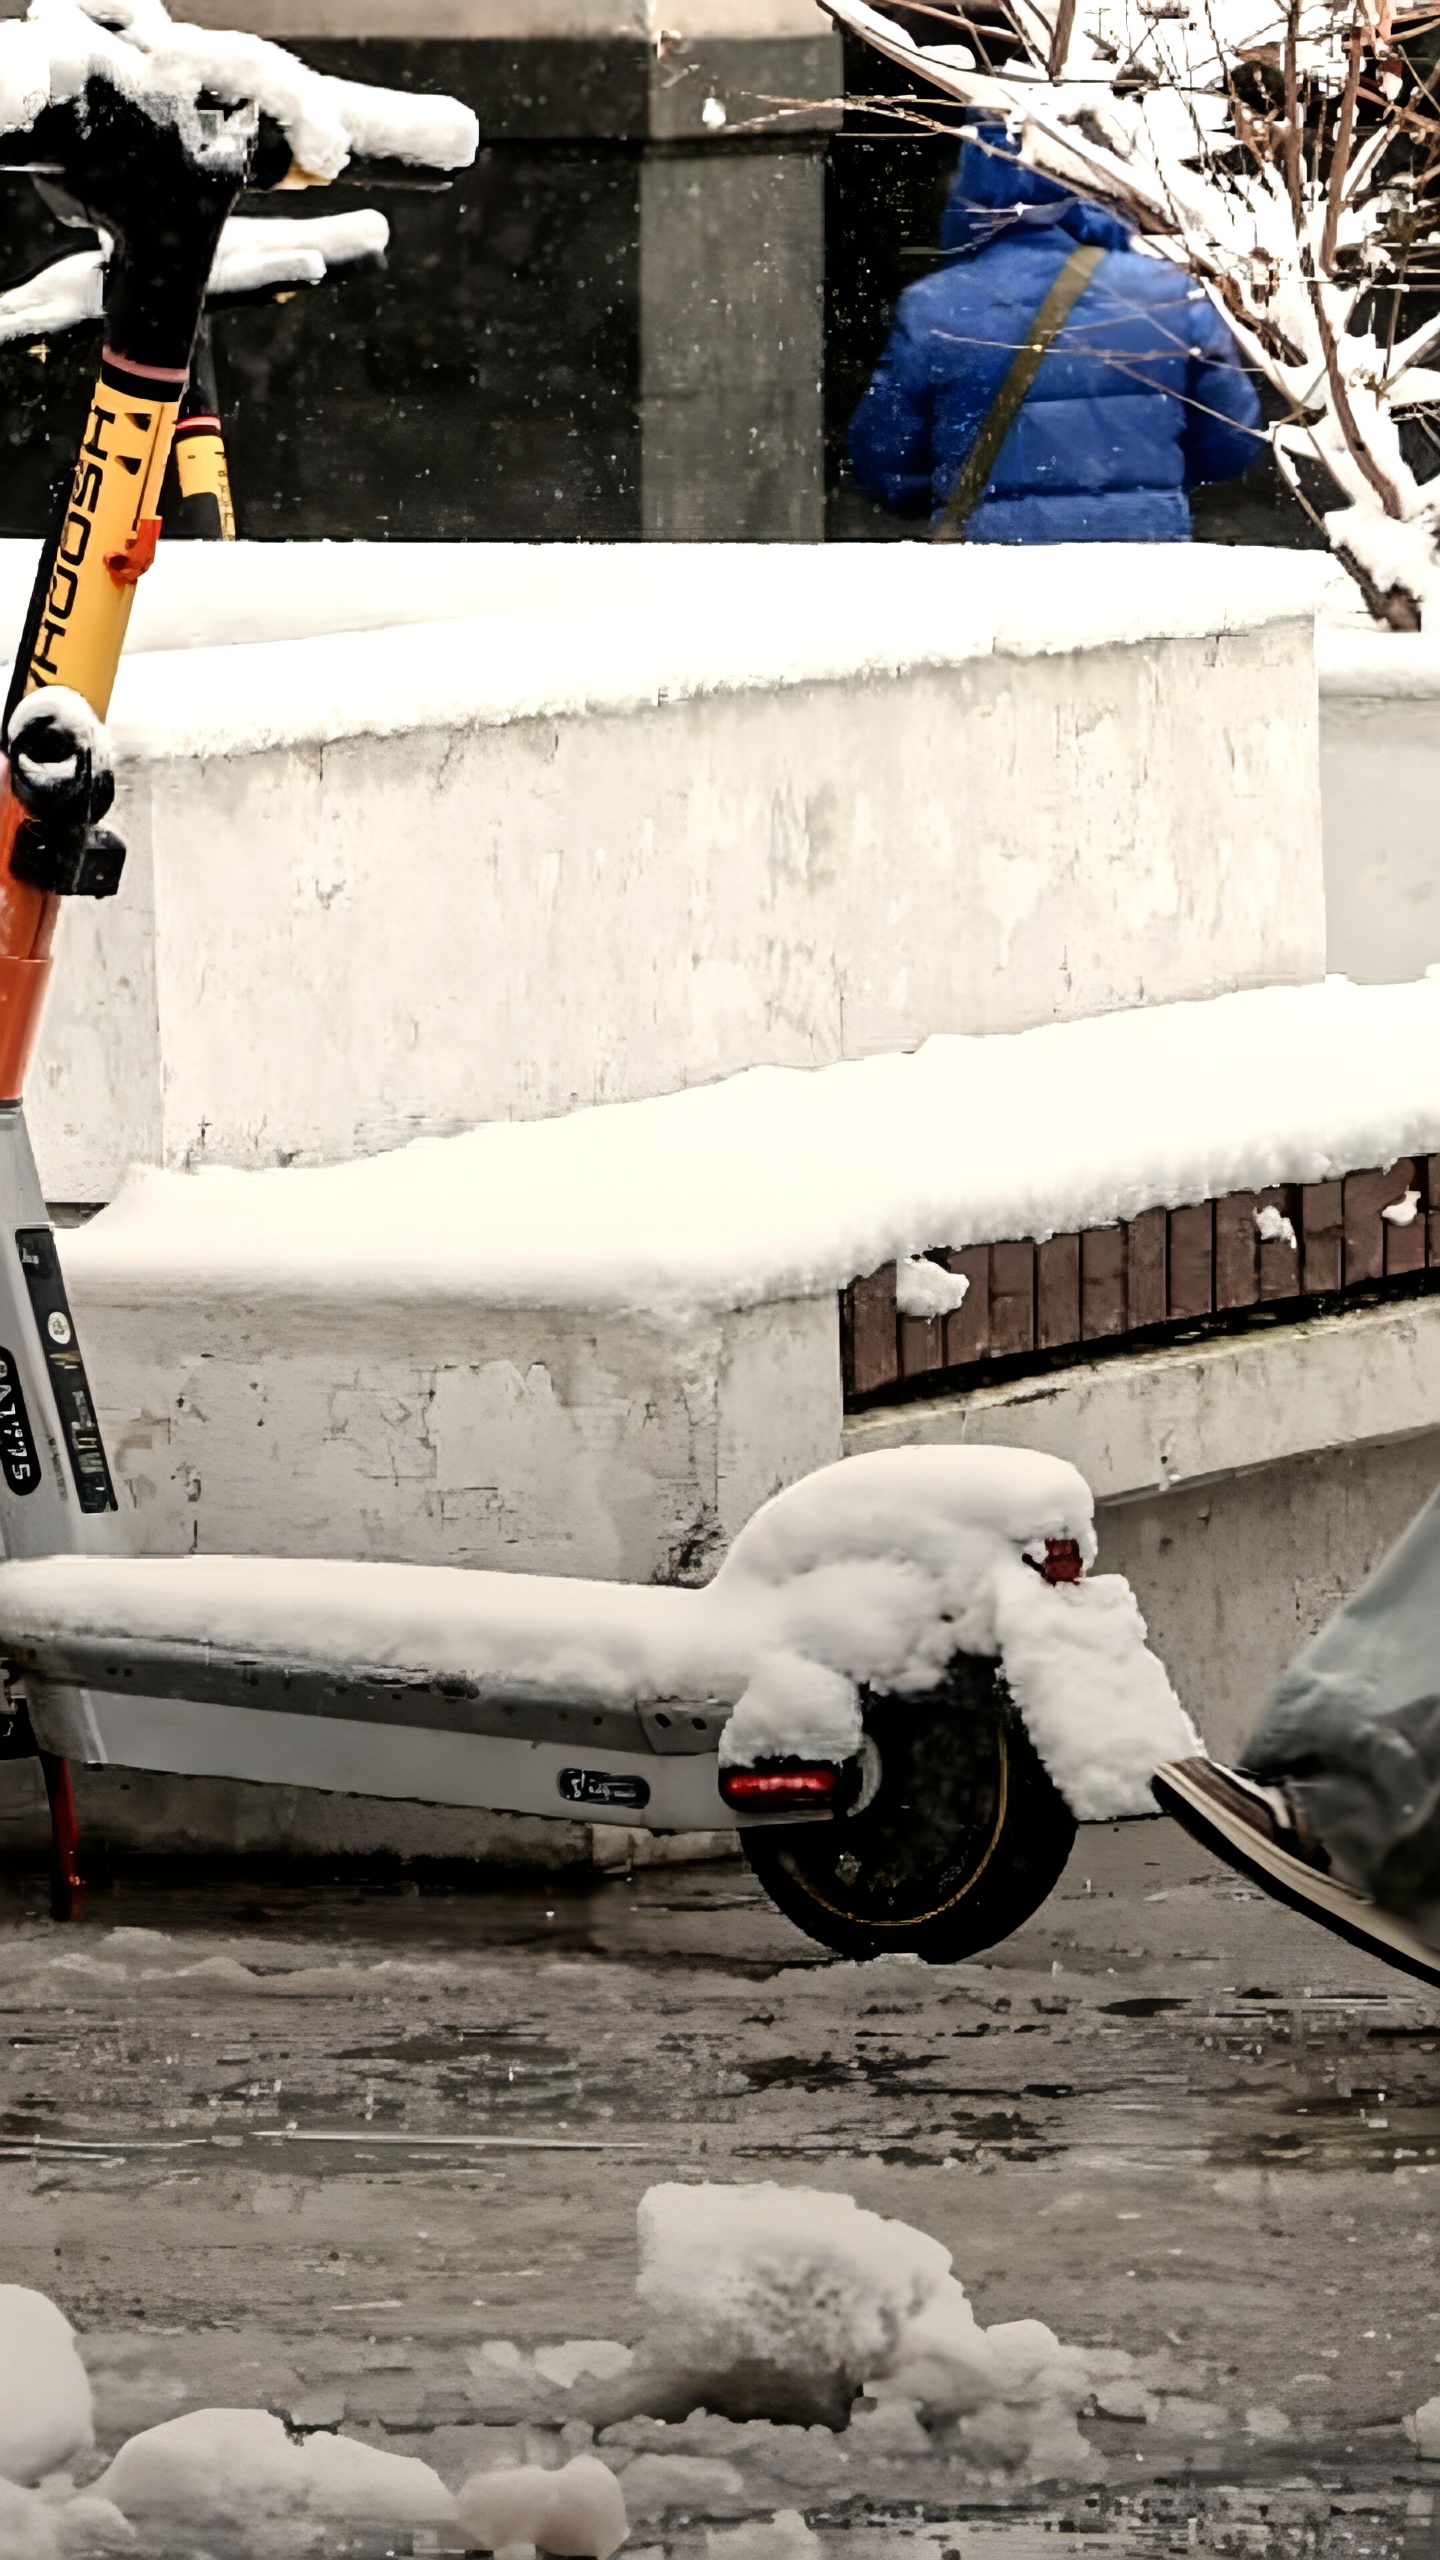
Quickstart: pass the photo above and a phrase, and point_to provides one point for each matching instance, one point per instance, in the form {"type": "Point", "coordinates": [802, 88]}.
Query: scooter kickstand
{"type": "Point", "coordinates": [67, 1885]}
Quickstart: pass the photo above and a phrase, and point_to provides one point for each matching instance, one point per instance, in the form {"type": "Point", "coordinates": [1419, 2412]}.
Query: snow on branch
{"type": "Point", "coordinates": [1284, 153]}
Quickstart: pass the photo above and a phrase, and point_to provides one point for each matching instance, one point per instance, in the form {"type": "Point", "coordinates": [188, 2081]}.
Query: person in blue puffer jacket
{"type": "Point", "coordinates": [1139, 398]}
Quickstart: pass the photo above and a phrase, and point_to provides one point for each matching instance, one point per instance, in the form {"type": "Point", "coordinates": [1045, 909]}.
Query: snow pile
{"type": "Point", "coordinates": [1096, 1703]}
{"type": "Point", "coordinates": [869, 1573]}
{"type": "Point", "coordinates": [927, 1289]}
{"type": "Point", "coordinates": [561, 627]}
{"type": "Point", "coordinates": [53, 2524]}
{"type": "Point", "coordinates": [137, 49]}
{"type": "Point", "coordinates": [782, 2536]}
{"type": "Point", "coordinates": [34, 2526]}
{"type": "Point", "coordinates": [787, 2303]}
{"type": "Point", "coordinates": [1423, 2430]}
{"type": "Point", "coordinates": [876, 1571]}
{"type": "Point", "coordinates": [253, 257]}
{"type": "Point", "coordinates": [234, 2479]}
{"type": "Point", "coordinates": [789, 1182]}
{"type": "Point", "coordinates": [45, 2406]}
{"type": "Point", "coordinates": [576, 2513]}
{"type": "Point", "coordinates": [773, 2302]}
{"type": "Point", "coordinates": [61, 296]}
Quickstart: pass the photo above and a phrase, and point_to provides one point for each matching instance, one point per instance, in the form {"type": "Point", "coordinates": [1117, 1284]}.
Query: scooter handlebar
{"type": "Point", "coordinates": [257, 261]}
{"type": "Point", "coordinates": [212, 89]}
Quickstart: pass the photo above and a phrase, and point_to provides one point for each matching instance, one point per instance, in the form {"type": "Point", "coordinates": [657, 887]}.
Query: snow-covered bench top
{"type": "Point", "coordinates": [786, 1182]}
{"type": "Point", "coordinates": [323, 641]}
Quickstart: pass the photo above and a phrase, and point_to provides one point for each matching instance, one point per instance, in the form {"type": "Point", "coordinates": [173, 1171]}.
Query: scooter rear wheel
{"type": "Point", "coordinates": [959, 1834]}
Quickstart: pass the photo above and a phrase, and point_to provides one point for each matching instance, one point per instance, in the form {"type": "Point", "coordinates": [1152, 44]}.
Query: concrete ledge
{"type": "Point", "coordinates": [637, 819]}
{"type": "Point", "coordinates": [1190, 1414]}
{"type": "Point", "coordinates": [1380, 780]}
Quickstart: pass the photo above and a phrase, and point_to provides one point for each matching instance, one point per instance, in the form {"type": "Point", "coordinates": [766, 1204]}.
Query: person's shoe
{"type": "Point", "coordinates": [1257, 1830]}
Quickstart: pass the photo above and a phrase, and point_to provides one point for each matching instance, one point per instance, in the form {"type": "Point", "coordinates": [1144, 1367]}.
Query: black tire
{"type": "Point", "coordinates": [962, 1839]}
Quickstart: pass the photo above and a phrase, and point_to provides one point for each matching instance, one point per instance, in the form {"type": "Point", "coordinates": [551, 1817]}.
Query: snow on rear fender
{"type": "Point", "coordinates": [873, 1573]}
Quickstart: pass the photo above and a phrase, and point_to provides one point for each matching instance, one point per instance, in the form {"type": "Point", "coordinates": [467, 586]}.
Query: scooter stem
{"type": "Point", "coordinates": [165, 215]}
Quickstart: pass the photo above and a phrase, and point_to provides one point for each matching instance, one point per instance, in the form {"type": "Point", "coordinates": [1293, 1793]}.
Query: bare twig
{"type": "Point", "coordinates": [1340, 160]}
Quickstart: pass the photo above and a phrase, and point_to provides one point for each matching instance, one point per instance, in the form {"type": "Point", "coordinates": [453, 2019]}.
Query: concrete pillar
{"type": "Point", "coordinates": [731, 287]}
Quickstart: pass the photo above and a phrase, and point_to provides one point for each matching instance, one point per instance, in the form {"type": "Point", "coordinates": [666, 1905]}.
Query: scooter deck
{"type": "Point", "coordinates": [602, 1701]}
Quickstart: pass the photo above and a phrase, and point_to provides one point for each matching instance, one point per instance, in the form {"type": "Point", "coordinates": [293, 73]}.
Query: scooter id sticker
{"type": "Point", "coordinates": [19, 1462]}
{"type": "Point", "coordinates": [69, 1384]}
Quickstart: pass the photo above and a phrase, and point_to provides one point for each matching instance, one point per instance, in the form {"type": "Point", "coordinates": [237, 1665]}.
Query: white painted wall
{"type": "Point", "coordinates": [661, 813]}
{"type": "Point", "coordinates": [629, 1449]}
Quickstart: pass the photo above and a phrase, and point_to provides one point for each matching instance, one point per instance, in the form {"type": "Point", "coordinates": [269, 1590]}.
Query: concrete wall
{"type": "Point", "coordinates": [1234, 1576]}
{"type": "Point", "coordinates": [629, 1450]}
{"type": "Point", "coordinates": [324, 947]}
{"type": "Point", "coordinates": [1380, 786]}
{"type": "Point", "coordinates": [1380, 778]}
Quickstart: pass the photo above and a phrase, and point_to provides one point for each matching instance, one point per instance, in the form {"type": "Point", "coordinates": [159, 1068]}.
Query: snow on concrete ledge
{"type": "Point", "coordinates": [785, 1183]}
{"type": "Point", "coordinates": [1360, 661]}
{"type": "Point", "coordinates": [374, 639]}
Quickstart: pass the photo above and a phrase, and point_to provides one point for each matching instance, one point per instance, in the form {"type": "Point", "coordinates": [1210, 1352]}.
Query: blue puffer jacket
{"type": "Point", "coordinates": [1140, 397]}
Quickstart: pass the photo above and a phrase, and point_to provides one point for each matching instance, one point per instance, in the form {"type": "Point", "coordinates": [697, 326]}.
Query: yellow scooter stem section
{"type": "Point", "coordinates": [202, 470]}
{"type": "Point", "coordinates": [111, 527]}
{"type": "Point", "coordinates": [106, 543]}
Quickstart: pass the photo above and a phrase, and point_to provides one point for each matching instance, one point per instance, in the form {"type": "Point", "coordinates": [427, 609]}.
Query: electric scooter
{"type": "Point", "coordinates": [935, 1831]}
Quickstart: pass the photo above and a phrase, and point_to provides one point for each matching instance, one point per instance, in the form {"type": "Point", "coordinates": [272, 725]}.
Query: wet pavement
{"type": "Point", "coordinates": [308, 2147]}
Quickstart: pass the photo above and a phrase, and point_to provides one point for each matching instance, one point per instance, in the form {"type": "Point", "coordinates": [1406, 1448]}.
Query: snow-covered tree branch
{"type": "Point", "coordinates": [1286, 153]}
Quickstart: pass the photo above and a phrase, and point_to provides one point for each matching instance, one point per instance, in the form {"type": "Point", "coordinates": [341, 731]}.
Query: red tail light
{"type": "Point", "coordinates": [1063, 1562]}
{"type": "Point", "coordinates": [808, 1783]}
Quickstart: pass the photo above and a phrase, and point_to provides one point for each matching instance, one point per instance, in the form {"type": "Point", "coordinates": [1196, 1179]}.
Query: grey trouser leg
{"type": "Point", "coordinates": [1354, 1726]}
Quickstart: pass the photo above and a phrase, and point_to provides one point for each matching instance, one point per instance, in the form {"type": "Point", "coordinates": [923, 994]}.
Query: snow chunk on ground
{"type": "Point", "coordinates": [774, 2302]}
{"type": "Point", "coordinates": [46, 2413]}
{"type": "Point", "coordinates": [578, 2512]}
{"type": "Point", "coordinates": [783, 2536]}
{"type": "Point", "coordinates": [1423, 2430]}
{"type": "Point", "coordinates": [787, 2302]}
{"type": "Point", "coordinates": [235, 2477]}
{"type": "Point", "coordinates": [36, 2527]}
